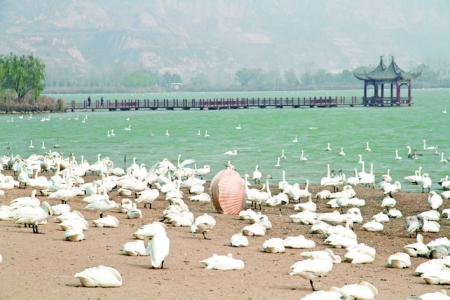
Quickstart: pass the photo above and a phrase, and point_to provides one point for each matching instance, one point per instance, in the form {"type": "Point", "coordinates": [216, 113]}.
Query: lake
{"type": "Point", "coordinates": [264, 134]}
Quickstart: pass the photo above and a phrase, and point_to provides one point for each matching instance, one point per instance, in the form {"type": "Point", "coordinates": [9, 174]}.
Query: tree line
{"type": "Point", "coordinates": [241, 79]}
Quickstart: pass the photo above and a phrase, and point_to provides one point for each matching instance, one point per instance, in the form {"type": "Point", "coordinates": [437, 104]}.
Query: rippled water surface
{"type": "Point", "coordinates": [263, 135]}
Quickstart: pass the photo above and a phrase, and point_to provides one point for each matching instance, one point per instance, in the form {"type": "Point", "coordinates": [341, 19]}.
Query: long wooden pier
{"type": "Point", "coordinates": [235, 103]}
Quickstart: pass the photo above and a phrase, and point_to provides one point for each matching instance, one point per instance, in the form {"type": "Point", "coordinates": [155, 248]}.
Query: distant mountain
{"type": "Point", "coordinates": [102, 39]}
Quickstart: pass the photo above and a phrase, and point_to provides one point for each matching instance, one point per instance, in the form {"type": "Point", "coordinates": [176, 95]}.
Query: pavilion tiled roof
{"type": "Point", "coordinates": [392, 72]}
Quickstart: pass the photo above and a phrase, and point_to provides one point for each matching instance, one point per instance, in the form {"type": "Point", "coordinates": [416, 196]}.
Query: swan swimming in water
{"type": "Point", "coordinates": [295, 140]}
{"type": "Point", "coordinates": [167, 132]}
{"type": "Point", "coordinates": [429, 147]}
{"type": "Point", "coordinates": [302, 157]}
{"type": "Point", "coordinates": [367, 147]}
{"type": "Point", "coordinates": [278, 162]}
{"type": "Point", "coordinates": [128, 128]}
{"type": "Point", "coordinates": [234, 152]}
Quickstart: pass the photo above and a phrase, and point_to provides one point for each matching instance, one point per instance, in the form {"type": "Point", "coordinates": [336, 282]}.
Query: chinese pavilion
{"type": "Point", "coordinates": [382, 75]}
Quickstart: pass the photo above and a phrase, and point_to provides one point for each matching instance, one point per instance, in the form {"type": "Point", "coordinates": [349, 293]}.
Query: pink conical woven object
{"type": "Point", "coordinates": [227, 190]}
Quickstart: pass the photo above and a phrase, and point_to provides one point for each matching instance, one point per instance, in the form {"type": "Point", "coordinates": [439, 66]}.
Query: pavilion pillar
{"type": "Point", "coordinates": [392, 90]}
{"type": "Point", "coordinates": [375, 88]}
{"type": "Point", "coordinates": [382, 91]}
{"type": "Point", "coordinates": [409, 90]}
{"type": "Point", "coordinates": [365, 90]}
{"type": "Point", "coordinates": [398, 91]}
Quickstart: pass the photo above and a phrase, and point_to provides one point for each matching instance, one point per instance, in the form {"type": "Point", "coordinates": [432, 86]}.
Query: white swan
{"type": "Point", "coordinates": [223, 262]}
{"type": "Point", "coordinates": [342, 153]}
{"type": "Point", "coordinates": [367, 147]}
{"type": "Point", "coordinates": [282, 154]}
{"type": "Point", "coordinates": [368, 179]}
{"type": "Point", "coordinates": [328, 148]}
{"type": "Point", "coordinates": [206, 133]}
{"type": "Point", "coordinates": [273, 245]}
{"type": "Point", "coordinates": [100, 276]}
{"type": "Point", "coordinates": [443, 160]}
{"type": "Point", "coordinates": [361, 290]}
{"type": "Point", "coordinates": [361, 255]}
{"type": "Point", "coordinates": [74, 235]}
{"type": "Point", "coordinates": [396, 155]}
{"type": "Point", "coordinates": [199, 133]}
{"type": "Point", "coordinates": [256, 229]}
{"type": "Point", "coordinates": [128, 128]}
{"type": "Point", "coordinates": [167, 132]}
{"type": "Point", "coordinates": [435, 200]}
{"type": "Point", "coordinates": [148, 197]}
{"type": "Point", "coordinates": [100, 206]}
{"type": "Point", "coordinates": [416, 249]}
{"type": "Point", "coordinates": [298, 242]}
{"type": "Point", "coordinates": [134, 212]}
{"type": "Point", "coordinates": [43, 145]}
{"type": "Point", "coordinates": [445, 110]}
{"type": "Point", "coordinates": [331, 293]}
{"type": "Point", "coordinates": [33, 215]}
{"type": "Point", "coordinates": [108, 221]}
{"type": "Point", "coordinates": [353, 180]}
{"type": "Point", "coordinates": [394, 213]}
{"type": "Point", "coordinates": [239, 240]}
{"type": "Point", "coordinates": [233, 152]}
{"type": "Point", "coordinates": [309, 205]}
{"type": "Point", "coordinates": [426, 182]}
{"type": "Point", "coordinates": [326, 254]}
{"type": "Point", "coordinates": [311, 268]}
{"type": "Point", "coordinates": [31, 144]}
{"type": "Point", "coordinates": [149, 230]}
{"type": "Point", "coordinates": [158, 248]}
{"type": "Point", "coordinates": [202, 224]}
{"type": "Point", "coordinates": [416, 178]}
{"type": "Point", "coordinates": [238, 127]}
{"type": "Point", "coordinates": [135, 248]}
{"type": "Point", "coordinates": [302, 157]}
{"type": "Point", "coordinates": [278, 162]}
{"type": "Point", "coordinates": [429, 147]}
{"type": "Point", "coordinates": [257, 175]}
{"type": "Point", "coordinates": [430, 226]}
{"type": "Point", "coordinates": [255, 196]}
{"type": "Point", "coordinates": [295, 139]}
{"type": "Point", "coordinates": [441, 276]}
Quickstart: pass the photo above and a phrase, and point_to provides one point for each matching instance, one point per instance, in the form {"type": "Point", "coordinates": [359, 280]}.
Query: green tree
{"type": "Point", "coordinates": [22, 74]}
{"type": "Point", "coordinates": [168, 78]}
{"type": "Point", "coordinates": [140, 79]}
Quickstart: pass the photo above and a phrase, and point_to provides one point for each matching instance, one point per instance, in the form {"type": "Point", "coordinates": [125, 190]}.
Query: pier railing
{"type": "Point", "coordinates": [235, 103]}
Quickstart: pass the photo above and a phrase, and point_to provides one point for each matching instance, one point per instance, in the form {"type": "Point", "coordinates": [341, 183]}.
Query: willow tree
{"type": "Point", "coordinates": [22, 74]}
